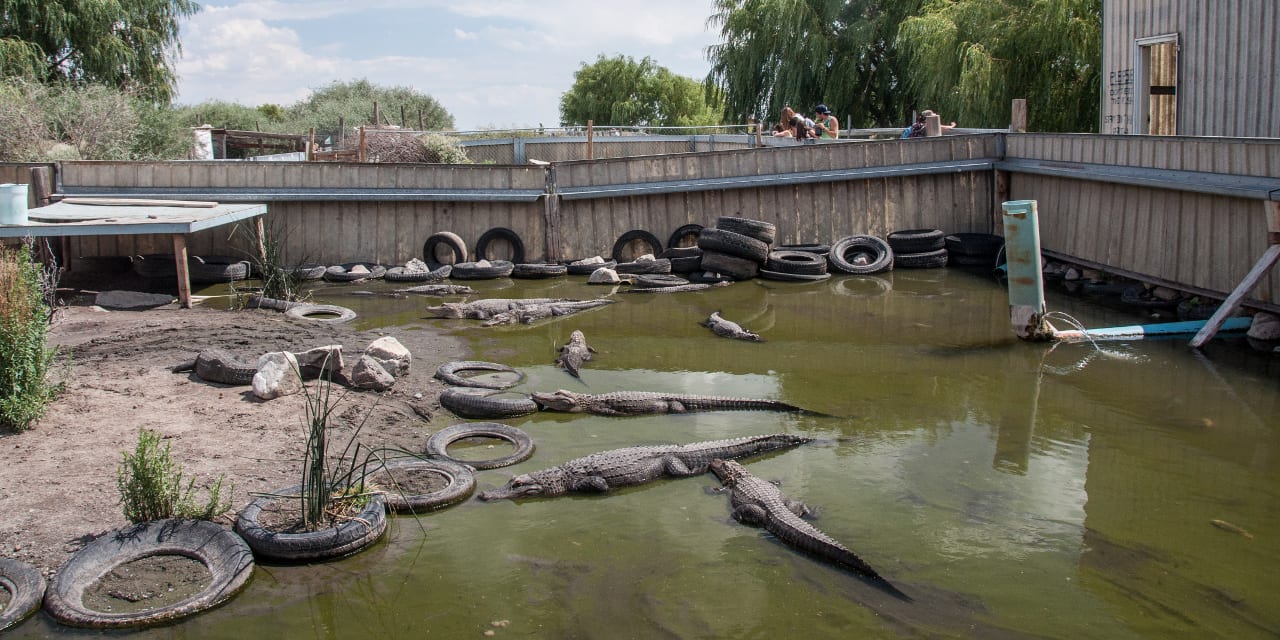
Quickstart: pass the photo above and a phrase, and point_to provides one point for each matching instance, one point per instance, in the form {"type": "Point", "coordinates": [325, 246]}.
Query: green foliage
{"type": "Point", "coordinates": [25, 359]}
{"type": "Point", "coordinates": [327, 480]}
{"type": "Point", "coordinates": [150, 485]}
{"type": "Point", "coordinates": [229, 115]}
{"type": "Point", "coordinates": [353, 102]}
{"type": "Point", "coordinates": [161, 134]}
{"type": "Point", "coordinates": [65, 121]}
{"type": "Point", "coordinates": [127, 44]}
{"type": "Point", "coordinates": [620, 91]}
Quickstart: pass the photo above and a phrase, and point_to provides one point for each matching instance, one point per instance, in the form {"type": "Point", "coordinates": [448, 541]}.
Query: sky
{"type": "Point", "coordinates": [496, 64]}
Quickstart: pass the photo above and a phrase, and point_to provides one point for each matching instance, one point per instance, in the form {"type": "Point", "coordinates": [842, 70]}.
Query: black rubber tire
{"type": "Point", "coordinates": [335, 542]}
{"type": "Point", "coordinates": [820, 249]}
{"type": "Point", "coordinates": [464, 402]}
{"type": "Point", "coordinates": [688, 232]}
{"type": "Point", "coordinates": [500, 233]}
{"type": "Point", "coordinates": [727, 265]}
{"type": "Point", "coordinates": [225, 555]}
{"type": "Point", "coordinates": [461, 484]}
{"type": "Point", "coordinates": [216, 269]}
{"type": "Point", "coordinates": [305, 311]}
{"type": "Point", "coordinates": [793, 277]}
{"type": "Point", "coordinates": [469, 270]}
{"type": "Point", "coordinates": [844, 248]}
{"type": "Point", "coordinates": [925, 260]}
{"type": "Point", "coordinates": [342, 272]}
{"type": "Point", "coordinates": [963, 260]}
{"type": "Point", "coordinates": [687, 265]}
{"type": "Point", "coordinates": [625, 240]}
{"type": "Point", "coordinates": [657, 281]}
{"type": "Point", "coordinates": [796, 262]}
{"type": "Point", "coordinates": [256, 301]}
{"type": "Point", "coordinates": [659, 265]}
{"type": "Point", "coordinates": [765, 232]}
{"type": "Point", "coordinates": [916, 240]}
{"type": "Point", "coordinates": [438, 443]}
{"type": "Point", "coordinates": [588, 269]}
{"type": "Point", "coordinates": [983, 245]}
{"type": "Point", "coordinates": [306, 271]}
{"type": "Point", "coordinates": [448, 374]}
{"type": "Point", "coordinates": [681, 252]}
{"type": "Point", "coordinates": [155, 265]}
{"type": "Point", "coordinates": [26, 588]}
{"type": "Point", "coordinates": [535, 271]}
{"type": "Point", "coordinates": [447, 240]}
{"type": "Point", "coordinates": [401, 274]}
{"type": "Point", "coordinates": [734, 244]}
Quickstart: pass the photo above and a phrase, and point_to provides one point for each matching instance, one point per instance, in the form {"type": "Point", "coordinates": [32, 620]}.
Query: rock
{"type": "Point", "coordinates": [1092, 275]}
{"type": "Point", "coordinates": [1164, 293]}
{"type": "Point", "coordinates": [1265, 326]}
{"type": "Point", "coordinates": [603, 275]}
{"type": "Point", "coordinates": [1072, 274]}
{"type": "Point", "coordinates": [369, 374]}
{"type": "Point", "coordinates": [648, 257]}
{"type": "Point", "coordinates": [591, 260]}
{"type": "Point", "coordinates": [392, 355]}
{"type": "Point", "coordinates": [313, 362]}
{"type": "Point", "coordinates": [128, 300]}
{"type": "Point", "coordinates": [277, 375]}
{"type": "Point", "coordinates": [483, 264]}
{"type": "Point", "coordinates": [359, 269]}
{"type": "Point", "coordinates": [416, 265]}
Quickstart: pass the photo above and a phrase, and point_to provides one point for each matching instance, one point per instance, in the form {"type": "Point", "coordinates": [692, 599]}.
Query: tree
{"type": "Point", "coordinates": [970, 58]}
{"type": "Point", "coordinates": [353, 102]}
{"type": "Point", "coordinates": [621, 91]}
{"type": "Point", "coordinates": [128, 44]}
{"type": "Point", "coordinates": [775, 53]}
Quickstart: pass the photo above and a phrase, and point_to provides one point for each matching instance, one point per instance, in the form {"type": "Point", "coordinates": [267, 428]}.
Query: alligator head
{"type": "Point", "coordinates": [728, 471]}
{"type": "Point", "coordinates": [446, 310]}
{"type": "Point", "coordinates": [548, 482]}
{"type": "Point", "coordinates": [559, 400]}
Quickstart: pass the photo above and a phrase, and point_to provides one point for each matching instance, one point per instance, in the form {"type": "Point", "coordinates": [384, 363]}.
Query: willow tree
{"type": "Point", "coordinates": [775, 53]}
{"type": "Point", "coordinates": [969, 59]}
{"type": "Point", "coordinates": [623, 91]}
{"type": "Point", "coordinates": [128, 44]}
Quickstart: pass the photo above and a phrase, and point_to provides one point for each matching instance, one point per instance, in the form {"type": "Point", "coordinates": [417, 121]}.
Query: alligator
{"type": "Point", "coordinates": [600, 472]}
{"type": "Point", "coordinates": [635, 403]}
{"type": "Point", "coordinates": [574, 353]}
{"type": "Point", "coordinates": [219, 365]}
{"type": "Point", "coordinates": [757, 502]}
{"type": "Point", "coordinates": [484, 309]}
{"type": "Point", "coordinates": [729, 329]}
{"type": "Point", "coordinates": [527, 313]}
{"type": "Point", "coordinates": [692, 286]}
{"type": "Point", "coordinates": [438, 290]}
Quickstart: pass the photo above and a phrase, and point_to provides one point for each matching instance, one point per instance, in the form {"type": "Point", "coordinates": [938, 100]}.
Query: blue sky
{"type": "Point", "coordinates": [495, 64]}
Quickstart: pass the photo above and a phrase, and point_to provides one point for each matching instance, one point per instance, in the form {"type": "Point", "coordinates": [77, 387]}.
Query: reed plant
{"type": "Point", "coordinates": [25, 357]}
{"type": "Point", "coordinates": [279, 281]}
{"type": "Point", "coordinates": [330, 484]}
{"type": "Point", "coordinates": [151, 485]}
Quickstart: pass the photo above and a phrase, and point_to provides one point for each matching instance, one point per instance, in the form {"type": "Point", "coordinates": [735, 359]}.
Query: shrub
{"type": "Point", "coordinates": [25, 359]}
{"type": "Point", "coordinates": [150, 485]}
{"type": "Point", "coordinates": [443, 149]}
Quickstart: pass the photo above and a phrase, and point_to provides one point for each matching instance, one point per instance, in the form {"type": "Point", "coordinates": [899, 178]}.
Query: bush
{"type": "Point", "coordinates": [150, 485]}
{"type": "Point", "coordinates": [443, 149]}
{"type": "Point", "coordinates": [25, 359]}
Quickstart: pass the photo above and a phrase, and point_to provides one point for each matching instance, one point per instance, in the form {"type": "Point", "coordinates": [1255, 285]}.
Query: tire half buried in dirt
{"type": "Point", "coordinates": [26, 589]}
{"type": "Point", "coordinates": [398, 481]}
{"type": "Point", "coordinates": [438, 443]}
{"type": "Point", "coordinates": [333, 542]}
{"type": "Point", "coordinates": [320, 313]}
{"type": "Point", "coordinates": [226, 556]}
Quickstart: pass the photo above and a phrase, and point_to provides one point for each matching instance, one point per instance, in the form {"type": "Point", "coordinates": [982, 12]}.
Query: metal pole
{"type": "Point", "coordinates": [1026, 280]}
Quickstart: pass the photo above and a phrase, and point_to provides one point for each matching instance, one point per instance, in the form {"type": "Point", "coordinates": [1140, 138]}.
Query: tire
{"type": "Point", "coordinates": [793, 277]}
{"type": "Point", "coordinates": [26, 587]}
{"type": "Point", "coordinates": [982, 245]}
{"type": "Point", "coordinates": [727, 265]}
{"type": "Point", "coordinates": [468, 403]}
{"type": "Point", "coordinates": [672, 253]}
{"type": "Point", "coordinates": [708, 277]}
{"type": "Point", "coordinates": [155, 265]}
{"type": "Point", "coordinates": [659, 265]}
{"type": "Point", "coordinates": [500, 233]}
{"type": "Point", "coordinates": [797, 263]}
{"type": "Point", "coordinates": [460, 477]}
{"type": "Point", "coordinates": [334, 542]}
{"type": "Point", "coordinates": [224, 554]}
{"type": "Point", "coordinates": [448, 374]}
{"type": "Point", "coordinates": [926, 260]}
{"type": "Point", "coordinates": [342, 272]}
{"type": "Point", "coordinates": [765, 232]}
{"type": "Point", "coordinates": [306, 311]}
{"type": "Point", "coordinates": [588, 269]}
{"type": "Point", "coordinates": [469, 270]}
{"type": "Point", "coordinates": [686, 265]}
{"type": "Point", "coordinates": [962, 260]}
{"type": "Point", "coordinates": [686, 233]}
{"type": "Point", "coordinates": [438, 443]}
{"type": "Point", "coordinates": [306, 271]}
{"type": "Point", "coordinates": [820, 249]}
{"type": "Point", "coordinates": [401, 274]}
{"type": "Point", "coordinates": [880, 255]}
{"type": "Point", "coordinates": [734, 244]}
{"type": "Point", "coordinates": [447, 240]}
{"type": "Point", "coordinates": [916, 240]}
{"type": "Point", "coordinates": [625, 240]}
{"type": "Point", "coordinates": [533, 271]}
{"type": "Point", "coordinates": [657, 281]}
{"type": "Point", "coordinates": [216, 269]}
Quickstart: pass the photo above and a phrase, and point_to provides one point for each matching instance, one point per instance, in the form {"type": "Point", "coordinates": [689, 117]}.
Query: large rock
{"type": "Point", "coordinates": [392, 355]}
{"type": "Point", "coordinates": [314, 362]}
{"type": "Point", "coordinates": [130, 300]}
{"type": "Point", "coordinates": [1265, 326]}
{"type": "Point", "coordinates": [369, 374]}
{"type": "Point", "coordinates": [603, 275]}
{"type": "Point", "coordinates": [277, 375]}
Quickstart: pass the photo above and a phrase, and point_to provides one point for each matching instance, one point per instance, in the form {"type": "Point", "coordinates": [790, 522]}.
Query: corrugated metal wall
{"type": "Point", "coordinates": [1227, 82]}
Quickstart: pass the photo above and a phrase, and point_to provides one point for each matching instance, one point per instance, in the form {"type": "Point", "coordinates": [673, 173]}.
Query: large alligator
{"type": "Point", "coordinates": [574, 352]}
{"type": "Point", "coordinates": [637, 403]}
{"type": "Point", "coordinates": [219, 365]}
{"type": "Point", "coordinates": [760, 503]}
{"type": "Point", "coordinates": [484, 309]}
{"type": "Point", "coordinates": [600, 472]}
{"type": "Point", "coordinates": [729, 328]}
{"type": "Point", "coordinates": [527, 313]}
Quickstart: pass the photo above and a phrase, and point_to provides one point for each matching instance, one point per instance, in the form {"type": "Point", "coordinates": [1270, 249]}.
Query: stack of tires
{"type": "Point", "coordinates": [737, 247]}
{"type": "Point", "coordinates": [918, 248]}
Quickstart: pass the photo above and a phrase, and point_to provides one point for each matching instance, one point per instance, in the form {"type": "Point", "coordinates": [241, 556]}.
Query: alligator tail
{"type": "Point", "coordinates": [797, 533]}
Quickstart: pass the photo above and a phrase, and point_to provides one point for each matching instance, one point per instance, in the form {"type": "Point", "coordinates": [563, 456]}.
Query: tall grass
{"type": "Point", "coordinates": [278, 281]}
{"type": "Point", "coordinates": [328, 481]}
{"type": "Point", "coordinates": [150, 485]}
{"type": "Point", "coordinates": [25, 358]}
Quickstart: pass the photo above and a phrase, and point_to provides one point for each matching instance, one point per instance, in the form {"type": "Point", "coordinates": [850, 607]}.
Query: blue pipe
{"type": "Point", "coordinates": [1139, 331]}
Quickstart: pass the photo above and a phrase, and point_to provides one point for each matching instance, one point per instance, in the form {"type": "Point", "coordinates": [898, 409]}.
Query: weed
{"type": "Point", "coordinates": [151, 488]}
{"type": "Point", "coordinates": [25, 359]}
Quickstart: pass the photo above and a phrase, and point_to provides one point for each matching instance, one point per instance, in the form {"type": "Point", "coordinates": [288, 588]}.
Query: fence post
{"type": "Point", "coordinates": [591, 152]}
{"type": "Point", "coordinates": [1018, 121]}
{"type": "Point", "coordinates": [362, 145]}
{"type": "Point", "coordinates": [311, 145]}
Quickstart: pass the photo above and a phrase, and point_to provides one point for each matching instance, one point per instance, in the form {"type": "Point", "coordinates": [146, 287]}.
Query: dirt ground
{"type": "Point", "coordinates": [58, 480]}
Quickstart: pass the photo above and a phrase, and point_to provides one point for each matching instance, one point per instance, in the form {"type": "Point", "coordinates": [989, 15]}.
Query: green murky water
{"type": "Point", "coordinates": [1012, 489]}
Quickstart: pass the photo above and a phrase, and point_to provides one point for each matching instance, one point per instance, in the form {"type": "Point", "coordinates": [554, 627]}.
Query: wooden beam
{"type": "Point", "coordinates": [1018, 121]}
{"type": "Point", "coordinates": [1232, 302]}
{"type": "Point", "coordinates": [184, 274]}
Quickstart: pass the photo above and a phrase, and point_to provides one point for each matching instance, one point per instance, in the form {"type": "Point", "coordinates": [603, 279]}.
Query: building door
{"type": "Point", "coordinates": [1157, 84]}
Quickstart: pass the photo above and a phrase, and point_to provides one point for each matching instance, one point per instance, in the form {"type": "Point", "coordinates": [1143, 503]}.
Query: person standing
{"type": "Point", "coordinates": [825, 125]}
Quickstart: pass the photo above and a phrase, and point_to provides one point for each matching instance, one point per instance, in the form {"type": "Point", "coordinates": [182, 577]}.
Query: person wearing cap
{"type": "Point", "coordinates": [825, 124]}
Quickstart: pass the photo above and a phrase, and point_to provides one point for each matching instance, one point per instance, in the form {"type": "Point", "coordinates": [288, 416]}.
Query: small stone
{"type": "Point", "coordinates": [417, 396]}
{"type": "Point", "coordinates": [359, 270]}
{"type": "Point", "coordinates": [369, 374]}
{"type": "Point", "coordinates": [591, 260]}
{"type": "Point", "coordinates": [490, 633]}
{"type": "Point", "coordinates": [648, 257]}
{"type": "Point", "coordinates": [416, 265]}
{"type": "Point", "coordinates": [483, 264]}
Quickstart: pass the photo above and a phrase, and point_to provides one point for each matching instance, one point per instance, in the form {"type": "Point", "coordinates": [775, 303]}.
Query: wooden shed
{"type": "Point", "coordinates": [1191, 68]}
